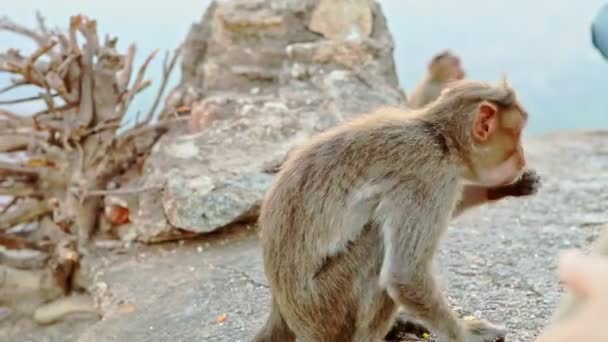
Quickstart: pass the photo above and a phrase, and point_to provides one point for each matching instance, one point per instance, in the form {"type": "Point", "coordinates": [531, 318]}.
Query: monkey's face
{"type": "Point", "coordinates": [497, 156]}
{"type": "Point", "coordinates": [448, 69]}
{"type": "Point", "coordinates": [456, 72]}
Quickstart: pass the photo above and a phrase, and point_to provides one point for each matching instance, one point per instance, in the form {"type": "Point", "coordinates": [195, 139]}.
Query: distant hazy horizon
{"type": "Point", "coordinates": [543, 47]}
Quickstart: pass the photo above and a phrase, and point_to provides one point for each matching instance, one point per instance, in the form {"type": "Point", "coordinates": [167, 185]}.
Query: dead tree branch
{"type": "Point", "coordinates": [167, 69]}
{"type": "Point", "coordinates": [59, 163]}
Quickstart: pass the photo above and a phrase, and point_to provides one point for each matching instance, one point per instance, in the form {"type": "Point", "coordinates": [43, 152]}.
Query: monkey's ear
{"type": "Point", "coordinates": [485, 121]}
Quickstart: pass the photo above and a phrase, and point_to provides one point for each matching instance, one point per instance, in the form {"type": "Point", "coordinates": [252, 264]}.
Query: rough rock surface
{"type": "Point", "coordinates": [497, 262]}
{"type": "Point", "coordinates": [261, 77]}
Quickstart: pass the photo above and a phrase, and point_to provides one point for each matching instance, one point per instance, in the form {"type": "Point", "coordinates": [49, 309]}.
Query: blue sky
{"type": "Point", "coordinates": [543, 46]}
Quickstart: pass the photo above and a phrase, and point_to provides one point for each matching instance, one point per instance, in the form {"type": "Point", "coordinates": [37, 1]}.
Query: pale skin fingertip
{"type": "Point", "coordinates": [568, 260]}
{"type": "Point", "coordinates": [584, 275]}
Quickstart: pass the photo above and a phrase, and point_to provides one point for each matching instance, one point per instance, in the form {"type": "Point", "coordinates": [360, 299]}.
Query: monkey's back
{"type": "Point", "coordinates": [324, 194]}
{"type": "Point", "coordinates": [424, 93]}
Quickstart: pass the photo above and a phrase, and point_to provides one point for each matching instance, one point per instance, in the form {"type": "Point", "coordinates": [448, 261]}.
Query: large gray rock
{"type": "Point", "coordinates": [260, 79]}
{"type": "Point", "coordinates": [339, 19]}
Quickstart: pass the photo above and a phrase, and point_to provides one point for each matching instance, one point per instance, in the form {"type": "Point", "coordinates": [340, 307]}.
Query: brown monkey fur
{"type": "Point", "coordinates": [569, 303]}
{"type": "Point", "coordinates": [443, 68]}
{"type": "Point", "coordinates": [351, 225]}
{"type": "Point", "coordinates": [472, 196]}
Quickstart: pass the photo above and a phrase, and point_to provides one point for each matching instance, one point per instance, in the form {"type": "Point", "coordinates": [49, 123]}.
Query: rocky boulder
{"type": "Point", "coordinates": [260, 77]}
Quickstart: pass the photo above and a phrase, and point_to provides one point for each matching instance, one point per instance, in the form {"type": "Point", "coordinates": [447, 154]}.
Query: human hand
{"type": "Point", "coordinates": [586, 277]}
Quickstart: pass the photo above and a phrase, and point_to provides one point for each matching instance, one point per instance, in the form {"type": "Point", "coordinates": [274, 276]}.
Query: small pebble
{"type": "Point", "coordinates": [221, 318]}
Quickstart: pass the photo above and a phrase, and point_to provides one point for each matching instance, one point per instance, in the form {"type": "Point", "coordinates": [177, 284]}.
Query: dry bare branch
{"type": "Point", "coordinates": [75, 22]}
{"type": "Point", "coordinates": [135, 131]}
{"type": "Point", "coordinates": [86, 90]}
{"type": "Point", "coordinates": [112, 124]}
{"type": "Point", "coordinates": [138, 86]}
{"type": "Point", "coordinates": [8, 25]}
{"type": "Point", "coordinates": [52, 151]}
{"type": "Point", "coordinates": [30, 71]}
{"type": "Point", "coordinates": [63, 262]}
{"type": "Point", "coordinates": [88, 28]}
{"type": "Point", "coordinates": [64, 67]}
{"type": "Point", "coordinates": [124, 76]}
{"type": "Point", "coordinates": [167, 69]}
{"type": "Point", "coordinates": [13, 143]}
{"type": "Point", "coordinates": [39, 52]}
{"type": "Point", "coordinates": [14, 84]}
{"type": "Point", "coordinates": [74, 144]}
{"type": "Point", "coordinates": [19, 190]}
{"type": "Point", "coordinates": [12, 202]}
{"type": "Point", "coordinates": [142, 69]}
{"type": "Point", "coordinates": [14, 242]}
{"type": "Point", "coordinates": [58, 309]}
{"type": "Point", "coordinates": [122, 191]}
{"type": "Point", "coordinates": [7, 168]}
{"type": "Point", "coordinates": [24, 99]}
{"type": "Point", "coordinates": [54, 81]}
{"type": "Point", "coordinates": [27, 211]}
{"type": "Point", "coordinates": [38, 286]}
{"type": "Point", "coordinates": [55, 112]}
{"type": "Point", "coordinates": [41, 23]}
{"type": "Point", "coordinates": [16, 118]}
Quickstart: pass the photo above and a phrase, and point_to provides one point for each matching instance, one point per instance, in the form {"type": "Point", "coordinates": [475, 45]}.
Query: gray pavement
{"type": "Point", "coordinates": [497, 263]}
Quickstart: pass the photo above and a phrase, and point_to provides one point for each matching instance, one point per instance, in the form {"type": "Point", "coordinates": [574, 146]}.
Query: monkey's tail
{"type": "Point", "coordinates": [275, 329]}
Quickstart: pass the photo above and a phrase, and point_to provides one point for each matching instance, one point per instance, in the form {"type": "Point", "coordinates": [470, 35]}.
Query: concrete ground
{"type": "Point", "coordinates": [497, 263]}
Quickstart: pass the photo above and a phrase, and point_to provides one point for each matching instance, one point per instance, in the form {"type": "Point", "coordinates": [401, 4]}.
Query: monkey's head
{"type": "Point", "coordinates": [493, 127]}
{"type": "Point", "coordinates": [446, 66]}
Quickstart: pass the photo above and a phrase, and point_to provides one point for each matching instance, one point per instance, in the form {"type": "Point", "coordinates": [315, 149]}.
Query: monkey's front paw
{"type": "Point", "coordinates": [527, 185]}
{"type": "Point", "coordinates": [483, 331]}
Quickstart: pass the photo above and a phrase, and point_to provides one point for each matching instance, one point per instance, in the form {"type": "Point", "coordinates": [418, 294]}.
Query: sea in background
{"type": "Point", "coordinates": [544, 47]}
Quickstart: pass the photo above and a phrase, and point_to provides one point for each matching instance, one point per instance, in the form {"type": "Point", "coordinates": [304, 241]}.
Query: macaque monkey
{"type": "Point", "coordinates": [444, 68]}
{"type": "Point", "coordinates": [569, 302]}
{"type": "Point", "coordinates": [350, 228]}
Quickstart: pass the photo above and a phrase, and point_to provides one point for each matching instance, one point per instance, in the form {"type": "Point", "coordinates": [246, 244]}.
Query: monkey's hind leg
{"type": "Point", "coordinates": [275, 328]}
{"type": "Point", "coordinates": [376, 321]}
